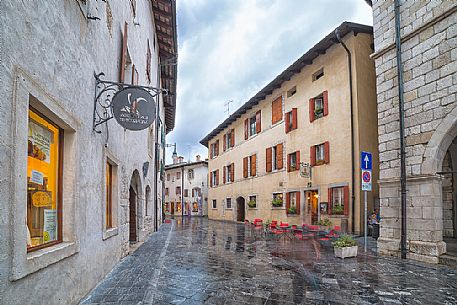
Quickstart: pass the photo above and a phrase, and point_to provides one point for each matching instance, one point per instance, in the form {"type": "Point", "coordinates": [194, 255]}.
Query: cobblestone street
{"type": "Point", "coordinates": [200, 261]}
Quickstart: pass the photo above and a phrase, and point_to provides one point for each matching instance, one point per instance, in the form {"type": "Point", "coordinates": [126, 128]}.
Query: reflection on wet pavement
{"type": "Point", "coordinates": [199, 261]}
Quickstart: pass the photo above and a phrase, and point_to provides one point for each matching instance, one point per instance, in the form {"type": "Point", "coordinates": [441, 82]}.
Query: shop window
{"type": "Point", "coordinates": [178, 207]}
{"type": "Point", "coordinates": [214, 204]}
{"type": "Point", "coordinates": [277, 201]}
{"type": "Point", "coordinates": [318, 106]}
{"type": "Point", "coordinates": [339, 200]}
{"type": "Point", "coordinates": [252, 203]}
{"type": "Point", "coordinates": [109, 196]}
{"type": "Point", "coordinates": [44, 179]}
{"type": "Point", "coordinates": [276, 110]}
{"type": "Point", "coordinates": [252, 125]}
{"type": "Point", "coordinates": [293, 161]}
{"type": "Point", "coordinates": [228, 203]}
{"type": "Point", "coordinates": [291, 92]}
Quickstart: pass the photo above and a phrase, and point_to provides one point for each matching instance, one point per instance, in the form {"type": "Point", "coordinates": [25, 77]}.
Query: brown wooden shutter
{"type": "Point", "coordinates": [224, 175]}
{"type": "Point", "coordinates": [232, 138]}
{"type": "Point", "coordinates": [287, 202]}
{"type": "Point", "coordinates": [268, 158]}
{"type": "Point", "coordinates": [325, 97]}
{"type": "Point", "coordinates": [217, 177]}
{"type": "Point", "coordinates": [294, 118]}
{"type": "Point", "coordinates": [123, 54]}
{"type": "Point", "coordinates": [276, 110]}
{"type": "Point", "coordinates": [253, 165]}
{"type": "Point", "coordinates": [327, 152]}
{"type": "Point", "coordinates": [346, 200]}
{"type": "Point", "coordinates": [225, 142]}
{"type": "Point", "coordinates": [297, 157]}
{"type": "Point", "coordinates": [245, 167]}
{"type": "Point", "coordinates": [330, 200]}
{"type": "Point", "coordinates": [288, 162]}
{"type": "Point", "coordinates": [258, 122]}
{"type": "Point", "coordinates": [297, 198]}
{"type": "Point", "coordinates": [211, 179]}
{"type": "Point", "coordinates": [232, 172]}
{"type": "Point", "coordinates": [312, 155]}
{"type": "Point", "coordinates": [279, 158]}
{"type": "Point", "coordinates": [311, 110]}
{"type": "Point", "coordinates": [287, 122]}
{"type": "Point", "coordinates": [246, 129]}
{"type": "Point", "coordinates": [217, 148]}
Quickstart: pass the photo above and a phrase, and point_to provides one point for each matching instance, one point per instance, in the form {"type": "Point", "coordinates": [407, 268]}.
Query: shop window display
{"type": "Point", "coordinates": [44, 211]}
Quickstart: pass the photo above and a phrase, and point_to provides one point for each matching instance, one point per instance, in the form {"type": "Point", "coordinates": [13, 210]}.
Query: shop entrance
{"type": "Point", "coordinates": [312, 202]}
{"type": "Point", "coordinates": [240, 209]}
{"type": "Point", "coordinates": [132, 218]}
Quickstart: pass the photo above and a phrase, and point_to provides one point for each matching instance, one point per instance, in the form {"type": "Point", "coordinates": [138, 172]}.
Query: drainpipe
{"type": "Point", "coordinates": [337, 33]}
{"type": "Point", "coordinates": [402, 130]}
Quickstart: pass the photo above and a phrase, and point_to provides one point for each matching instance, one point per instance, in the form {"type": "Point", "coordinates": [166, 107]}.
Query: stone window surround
{"type": "Point", "coordinates": [109, 157]}
{"type": "Point", "coordinates": [27, 93]}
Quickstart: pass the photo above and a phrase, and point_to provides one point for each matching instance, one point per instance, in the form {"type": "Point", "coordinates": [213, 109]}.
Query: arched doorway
{"type": "Point", "coordinates": [449, 192]}
{"type": "Point", "coordinates": [134, 196]}
{"type": "Point", "coordinates": [240, 209]}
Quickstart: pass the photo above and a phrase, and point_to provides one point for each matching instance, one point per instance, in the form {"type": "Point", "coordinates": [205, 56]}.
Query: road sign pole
{"type": "Point", "coordinates": [366, 221]}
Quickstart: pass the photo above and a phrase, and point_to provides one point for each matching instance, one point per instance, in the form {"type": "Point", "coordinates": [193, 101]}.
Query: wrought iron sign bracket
{"type": "Point", "coordinates": [104, 93]}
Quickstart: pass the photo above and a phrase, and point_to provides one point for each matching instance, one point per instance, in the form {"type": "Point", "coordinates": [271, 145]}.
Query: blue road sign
{"type": "Point", "coordinates": [365, 161]}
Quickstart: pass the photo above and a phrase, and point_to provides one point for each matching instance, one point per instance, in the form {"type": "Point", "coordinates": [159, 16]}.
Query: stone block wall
{"type": "Point", "coordinates": [429, 57]}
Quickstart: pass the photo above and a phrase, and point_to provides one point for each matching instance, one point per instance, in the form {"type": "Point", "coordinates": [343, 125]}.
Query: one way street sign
{"type": "Point", "coordinates": [366, 159]}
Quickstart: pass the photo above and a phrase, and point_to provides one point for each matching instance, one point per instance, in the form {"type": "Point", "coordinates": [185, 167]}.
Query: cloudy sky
{"type": "Point", "coordinates": [230, 49]}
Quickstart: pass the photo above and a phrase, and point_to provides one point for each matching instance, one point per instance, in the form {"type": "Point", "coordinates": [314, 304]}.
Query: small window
{"type": "Point", "coordinates": [178, 175]}
{"type": "Point", "coordinates": [168, 177]}
{"type": "Point", "coordinates": [178, 190]}
{"type": "Point", "coordinates": [190, 174]}
{"type": "Point", "coordinates": [252, 124]}
{"type": "Point", "coordinates": [252, 203]}
{"type": "Point", "coordinates": [318, 74]}
{"type": "Point", "coordinates": [291, 91]}
{"type": "Point", "coordinates": [277, 201]}
{"type": "Point", "coordinates": [293, 162]}
{"type": "Point", "coordinates": [214, 204]}
{"type": "Point", "coordinates": [337, 200]}
{"type": "Point", "coordinates": [320, 153]}
{"type": "Point", "coordinates": [214, 178]}
{"type": "Point", "coordinates": [228, 203]}
{"type": "Point", "coordinates": [318, 107]}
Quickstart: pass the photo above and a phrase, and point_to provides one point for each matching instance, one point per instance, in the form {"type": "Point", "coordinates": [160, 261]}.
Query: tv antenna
{"type": "Point", "coordinates": [227, 104]}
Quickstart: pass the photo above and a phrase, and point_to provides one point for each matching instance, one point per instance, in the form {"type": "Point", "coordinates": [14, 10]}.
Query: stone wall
{"type": "Point", "coordinates": [429, 57]}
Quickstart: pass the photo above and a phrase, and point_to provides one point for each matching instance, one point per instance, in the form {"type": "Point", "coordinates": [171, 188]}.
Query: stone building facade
{"type": "Point", "coordinates": [429, 62]}
{"type": "Point", "coordinates": [186, 187]}
{"type": "Point", "coordinates": [300, 122]}
{"type": "Point", "coordinates": [74, 199]}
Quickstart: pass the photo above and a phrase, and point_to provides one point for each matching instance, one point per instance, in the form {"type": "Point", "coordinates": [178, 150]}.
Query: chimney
{"type": "Point", "coordinates": [197, 157]}
{"type": "Point", "coordinates": [180, 159]}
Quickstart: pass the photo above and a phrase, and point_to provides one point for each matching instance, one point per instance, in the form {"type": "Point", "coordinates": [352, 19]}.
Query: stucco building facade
{"type": "Point", "coordinates": [299, 123]}
{"type": "Point", "coordinates": [186, 187]}
{"type": "Point", "coordinates": [75, 197]}
{"type": "Point", "coordinates": [428, 31]}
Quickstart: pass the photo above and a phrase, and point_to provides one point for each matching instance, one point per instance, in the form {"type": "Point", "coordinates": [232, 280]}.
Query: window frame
{"type": "Point", "coordinates": [214, 204]}
{"type": "Point", "coordinates": [279, 194]}
{"type": "Point", "coordinates": [227, 200]}
{"type": "Point", "coordinates": [320, 149]}
{"type": "Point", "coordinates": [252, 125]}
{"type": "Point", "coordinates": [255, 199]}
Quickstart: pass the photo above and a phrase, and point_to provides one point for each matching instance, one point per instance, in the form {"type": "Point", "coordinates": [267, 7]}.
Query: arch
{"type": "Point", "coordinates": [240, 209]}
{"type": "Point", "coordinates": [135, 193]}
{"type": "Point", "coordinates": [439, 144]}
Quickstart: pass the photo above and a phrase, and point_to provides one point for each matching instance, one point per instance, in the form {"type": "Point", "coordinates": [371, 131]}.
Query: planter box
{"type": "Point", "coordinates": [345, 252]}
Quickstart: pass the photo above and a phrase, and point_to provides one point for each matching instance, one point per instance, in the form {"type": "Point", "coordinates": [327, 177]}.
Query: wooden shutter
{"type": "Point", "coordinates": [294, 118]}
{"type": "Point", "coordinates": [312, 155]}
{"type": "Point", "coordinates": [327, 152]}
{"type": "Point", "coordinates": [297, 158]}
{"type": "Point", "coordinates": [123, 54]}
{"type": "Point", "coordinates": [217, 177]}
{"type": "Point", "coordinates": [297, 198]}
{"type": "Point", "coordinates": [276, 110]}
{"type": "Point", "coordinates": [311, 110]}
{"type": "Point", "coordinates": [225, 142]}
{"type": "Point", "coordinates": [245, 167]}
{"type": "Point", "coordinates": [232, 172]}
{"type": "Point", "coordinates": [258, 122]}
{"type": "Point", "coordinates": [224, 174]}
{"type": "Point", "coordinates": [287, 122]}
{"type": "Point", "coordinates": [246, 129]}
{"type": "Point", "coordinates": [279, 159]}
{"type": "Point", "coordinates": [330, 200]}
{"type": "Point", "coordinates": [253, 165]}
{"type": "Point", "coordinates": [346, 200]}
{"type": "Point", "coordinates": [325, 97]}
{"type": "Point", "coordinates": [288, 162]}
{"type": "Point", "coordinates": [217, 148]}
{"type": "Point", "coordinates": [211, 179]}
{"type": "Point", "coordinates": [268, 158]}
{"type": "Point", "coordinates": [287, 202]}
{"type": "Point", "coordinates": [232, 138]}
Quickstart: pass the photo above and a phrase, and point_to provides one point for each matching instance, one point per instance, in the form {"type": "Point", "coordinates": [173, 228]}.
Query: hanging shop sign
{"type": "Point", "coordinates": [134, 108]}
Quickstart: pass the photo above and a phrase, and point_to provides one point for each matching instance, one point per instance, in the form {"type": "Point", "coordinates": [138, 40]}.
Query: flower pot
{"type": "Point", "coordinates": [345, 252]}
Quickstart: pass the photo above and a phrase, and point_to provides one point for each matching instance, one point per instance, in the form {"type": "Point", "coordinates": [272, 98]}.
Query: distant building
{"type": "Point", "coordinates": [292, 152]}
{"type": "Point", "coordinates": [186, 187]}
{"type": "Point", "coordinates": [428, 31]}
{"type": "Point", "coordinates": [75, 193]}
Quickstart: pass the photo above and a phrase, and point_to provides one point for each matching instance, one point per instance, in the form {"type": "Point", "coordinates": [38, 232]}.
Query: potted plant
{"type": "Point", "coordinates": [276, 202]}
{"type": "Point", "coordinates": [345, 246]}
{"type": "Point", "coordinates": [252, 204]}
{"type": "Point", "coordinates": [325, 223]}
{"type": "Point", "coordinates": [318, 111]}
{"type": "Point", "coordinates": [338, 209]}
{"type": "Point", "coordinates": [292, 210]}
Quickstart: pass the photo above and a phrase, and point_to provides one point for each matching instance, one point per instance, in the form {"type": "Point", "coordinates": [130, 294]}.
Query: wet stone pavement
{"type": "Point", "coordinates": [200, 261]}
